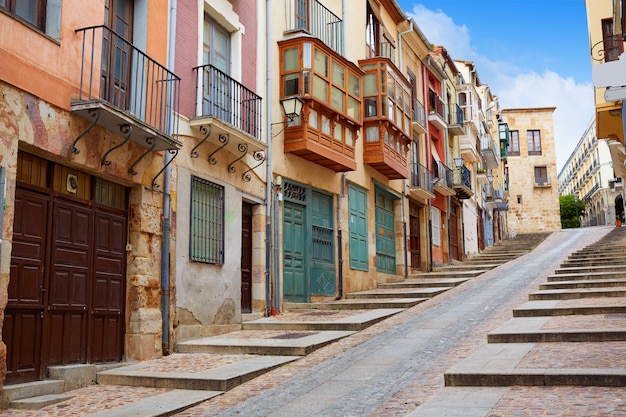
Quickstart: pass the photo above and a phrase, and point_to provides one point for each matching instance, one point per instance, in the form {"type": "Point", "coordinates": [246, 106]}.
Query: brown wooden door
{"type": "Point", "coordinates": [117, 52]}
{"type": "Point", "coordinates": [481, 230]}
{"type": "Point", "coordinates": [414, 241]}
{"type": "Point", "coordinates": [246, 259]}
{"type": "Point", "coordinates": [25, 308]}
{"type": "Point", "coordinates": [454, 233]}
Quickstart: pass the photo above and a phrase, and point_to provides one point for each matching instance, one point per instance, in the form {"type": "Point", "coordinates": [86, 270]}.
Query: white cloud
{"type": "Point", "coordinates": [515, 87]}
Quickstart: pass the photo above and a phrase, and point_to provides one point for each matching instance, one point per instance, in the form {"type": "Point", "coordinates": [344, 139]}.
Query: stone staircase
{"type": "Point", "coordinates": [572, 331]}
{"type": "Point", "coordinates": [216, 364]}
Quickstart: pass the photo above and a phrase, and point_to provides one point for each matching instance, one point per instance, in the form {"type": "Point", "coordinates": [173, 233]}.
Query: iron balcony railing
{"type": "Point", "coordinates": [463, 177]}
{"type": "Point", "coordinates": [226, 99]}
{"type": "Point", "coordinates": [436, 105]}
{"type": "Point", "coordinates": [488, 145]}
{"type": "Point", "coordinates": [456, 115]}
{"type": "Point", "coordinates": [444, 174]}
{"type": "Point", "coordinates": [608, 49]}
{"type": "Point", "coordinates": [498, 193]}
{"type": "Point", "coordinates": [418, 112]}
{"type": "Point", "coordinates": [488, 192]}
{"type": "Point", "coordinates": [313, 17]}
{"type": "Point", "coordinates": [115, 71]}
{"type": "Point", "coordinates": [421, 177]}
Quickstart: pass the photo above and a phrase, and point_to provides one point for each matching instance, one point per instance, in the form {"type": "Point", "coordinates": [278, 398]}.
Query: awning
{"type": "Point", "coordinates": [609, 123]}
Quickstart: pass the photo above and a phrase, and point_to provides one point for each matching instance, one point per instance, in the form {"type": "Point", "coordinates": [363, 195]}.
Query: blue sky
{"type": "Point", "coordinates": [531, 53]}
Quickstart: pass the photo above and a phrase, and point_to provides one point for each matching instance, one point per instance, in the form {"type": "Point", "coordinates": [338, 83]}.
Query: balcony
{"type": "Point", "coordinates": [387, 118]}
{"type": "Point", "coordinates": [491, 155]}
{"type": "Point", "coordinates": [316, 20]}
{"type": "Point", "coordinates": [503, 136]}
{"type": "Point", "coordinates": [608, 49]}
{"type": "Point", "coordinates": [332, 113]}
{"type": "Point", "coordinates": [456, 122]}
{"type": "Point", "coordinates": [489, 201]}
{"type": "Point", "coordinates": [462, 183]}
{"type": "Point", "coordinates": [481, 174]}
{"type": "Point", "coordinates": [444, 179]}
{"type": "Point", "coordinates": [419, 117]}
{"type": "Point", "coordinates": [436, 110]}
{"type": "Point", "coordinates": [421, 182]}
{"type": "Point", "coordinates": [468, 148]}
{"type": "Point", "coordinates": [125, 91]}
{"type": "Point", "coordinates": [230, 117]}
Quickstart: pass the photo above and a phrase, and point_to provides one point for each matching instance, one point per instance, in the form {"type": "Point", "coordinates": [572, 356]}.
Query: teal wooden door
{"type": "Point", "coordinates": [357, 206]}
{"type": "Point", "coordinates": [322, 252]}
{"type": "Point", "coordinates": [385, 236]}
{"type": "Point", "coordinates": [294, 262]}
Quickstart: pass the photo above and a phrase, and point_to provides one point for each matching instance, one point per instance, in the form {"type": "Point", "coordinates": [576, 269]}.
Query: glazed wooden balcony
{"type": "Point", "coordinates": [330, 87]}
{"type": "Point", "coordinates": [387, 117]}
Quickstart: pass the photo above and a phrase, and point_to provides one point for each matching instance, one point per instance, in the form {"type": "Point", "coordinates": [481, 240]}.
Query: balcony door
{"type": "Point", "coordinates": [217, 81]}
{"type": "Point", "coordinates": [117, 52]}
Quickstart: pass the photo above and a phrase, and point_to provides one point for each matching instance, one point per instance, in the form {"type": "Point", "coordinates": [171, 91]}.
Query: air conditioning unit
{"type": "Point", "coordinates": [616, 184]}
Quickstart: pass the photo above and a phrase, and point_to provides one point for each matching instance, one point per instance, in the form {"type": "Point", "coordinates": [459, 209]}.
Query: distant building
{"type": "Point", "coordinates": [588, 174]}
{"type": "Point", "coordinates": [532, 177]}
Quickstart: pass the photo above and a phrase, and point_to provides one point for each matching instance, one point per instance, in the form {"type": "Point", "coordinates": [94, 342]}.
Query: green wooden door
{"type": "Point", "coordinates": [294, 262]}
{"type": "Point", "coordinates": [385, 236]}
{"type": "Point", "coordinates": [322, 247]}
{"type": "Point", "coordinates": [357, 206]}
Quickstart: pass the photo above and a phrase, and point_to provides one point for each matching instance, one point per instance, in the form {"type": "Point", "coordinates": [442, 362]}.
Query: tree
{"type": "Point", "coordinates": [571, 210]}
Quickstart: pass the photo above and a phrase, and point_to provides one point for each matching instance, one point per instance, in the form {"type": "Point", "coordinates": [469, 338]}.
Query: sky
{"type": "Point", "coordinates": [531, 53]}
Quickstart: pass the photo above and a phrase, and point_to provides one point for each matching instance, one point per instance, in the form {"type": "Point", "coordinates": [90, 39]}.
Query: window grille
{"type": "Point", "coordinates": [207, 222]}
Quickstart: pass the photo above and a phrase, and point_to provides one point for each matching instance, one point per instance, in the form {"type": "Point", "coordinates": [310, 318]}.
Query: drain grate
{"type": "Point", "coordinates": [291, 335]}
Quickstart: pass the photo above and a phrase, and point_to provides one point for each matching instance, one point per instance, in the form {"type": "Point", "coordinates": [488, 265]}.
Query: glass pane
{"type": "Point", "coordinates": [337, 99]}
{"type": "Point", "coordinates": [221, 51]}
{"type": "Point", "coordinates": [399, 96]}
{"type": "Point", "coordinates": [338, 75]}
{"type": "Point", "coordinates": [313, 119]}
{"type": "Point", "coordinates": [290, 84]}
{"type": "Point", "coordinates": [407, 103]}
{"type": "Point", "coordinates": [383, 82]}
{"type": "Point", "coordinates": [349, 138]}
{"type": "Point", "coordinates": [320, 89]}
{"type": "Point", "coordinates": [338, 132]}
{"type": "Point", "coordinates": [370, 107]}
{"type": "Point", "coordinates": [354, 86]}
{"type": "Point", "coordinates": [372, 134]}
{"type": "Point", "coordinates": [370, 85]}
{"type": "Point", "coordinates": [392, 91]}
{"type": "Point", "coordinates": [306, 55]}
{"type": "Point", "coordinates": [325, 124]}
{"type": "Point", "coordinates": [384, 108]}
{"type": "Point", "coordinates": [391, 113]}
{"type": "Point", "coordinates": [407, 124]}
{"type": "Point", "coordinates": [321, 64]}
{"type": "Point", "coordinates": [353, 108]}
{"type": "Point", "coordinates": [290, 59]}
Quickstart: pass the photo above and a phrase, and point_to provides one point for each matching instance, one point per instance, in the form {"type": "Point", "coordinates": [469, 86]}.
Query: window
{"type": "Point", "coordinates": [534, 142]}
{"type": "Point", "coordinates": [541, 176]}
{"type": "Point", "coordinates": [207, 222]}
{"type": "Point", "coordinates": [436, 225]}
{"type": "Point", "coordinates": [372, 30]}
{"type": "Point", "coordinates": [32, 11]}
{"type": "Point", "coordinates": [513, 148]}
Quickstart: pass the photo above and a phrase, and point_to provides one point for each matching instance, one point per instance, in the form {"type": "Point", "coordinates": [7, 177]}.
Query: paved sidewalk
{"type": "Point", "coordinates": [396, 365]}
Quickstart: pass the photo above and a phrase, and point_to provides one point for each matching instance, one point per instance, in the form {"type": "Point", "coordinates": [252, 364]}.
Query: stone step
{"type": "Point", "coordinates": [36, 403]}
{"type": "Point", "coordinates": [453, 274]}
{"type": "Point", "coordinates": [605, 253]}
{"type": "Point", "coordinates": [587, 276]}
{"type": "Point", "coordinates": [466, 267]}
{"type": "Point", "coordinates": [369, 303]}
{"type": "Point", "coordinates": [218, 379]}
{"type": "Point", "coordinates": [597, 268]}
{"type": "Point", "coordinates": [595, 283]}
{"type": "Point", "coordinates": [263, 342]}
{"type": "Point", "coordinates": [356, 322]}
{"type": "Point", "coordinates": [398, 293]}
{"type": "Point", "coordinates": [15, 392]}
{"type": "Point", "coordinates": [425, 282]}
{"type": "Point", "coordinates": [592, 262]}
{"type": "Point", "coordinates": [560, 335]}
{"type": "Point", "coordinates": [551, 308]}
{"type": "Point", "coordinates": [577, 293]}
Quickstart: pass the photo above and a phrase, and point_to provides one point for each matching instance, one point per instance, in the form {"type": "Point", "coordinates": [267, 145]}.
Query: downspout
{"type": "Point", "coordinates": [2, 187]}
{"type": "Point", "coordinates": [446, 141]}
{"type": "Point", "coordinates": [404, 182]}
{"type": "Point", "coordinates": [268, 161]}
{"type": "Point", "coordinates": [165, 250]}
{"type": "Point", "coordinates": [429, 158]}
{"type": "Point", "coordinates": [340, 197]}
{"type": "Point", "coordinates": [343, 28]}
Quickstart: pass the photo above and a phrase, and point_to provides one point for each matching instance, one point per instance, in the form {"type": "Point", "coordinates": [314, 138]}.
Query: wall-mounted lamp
{"type": "Point", "coordinates": [490, 178]}
{"type": "Point", "coordinates": [292, 107]}
{"type": "Point", "coordinates": [458, 161]}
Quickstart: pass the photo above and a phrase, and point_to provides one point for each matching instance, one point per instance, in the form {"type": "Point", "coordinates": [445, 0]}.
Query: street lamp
{"type": "Point", "coordinates": [458, 161]}
{"type": "Point", "coordinates": [292, 107]}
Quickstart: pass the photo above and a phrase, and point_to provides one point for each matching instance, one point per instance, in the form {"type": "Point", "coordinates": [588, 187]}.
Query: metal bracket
{"type": "Point", "coordinates": [243, 148]}
{"type": "Point", "coordinates": [224, 139]}
{"type": "Point", "coordinates": [126, 130]}
{"type": "Point", "coordinates": [258, 156]}
{"type": "Point", "coordinates": [207, 133]}
{"type": "Point", "coordinates": [173, 152]}
{"type": "Point", "coordinates": [95, 113]}
{"type": "Point", "coordinates": [152, 144]}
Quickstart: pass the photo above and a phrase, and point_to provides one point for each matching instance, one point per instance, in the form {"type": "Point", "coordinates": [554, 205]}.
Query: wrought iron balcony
{"type": "Point", "coordinates": [462, 183]}
{"type": "Point", "coordinates": [421, 182]}
{"type": "Point", "coordinates": [444, 179]}
{"type": "Point", "coordinates": [125, 90]}
{"type": "Point", "coordinates": [608, 49]}
{"type": "Point", "coordinates": [455, 120]}
{"type": "Point", "coordinates": [312, 17]}
{"type": "Point", "coordinates": [436, 110]}
{"type": "Point", "coordinates": [419, 116]}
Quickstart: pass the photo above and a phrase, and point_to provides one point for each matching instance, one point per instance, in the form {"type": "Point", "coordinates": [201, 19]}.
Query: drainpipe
{"type": "Point", "coordinates": [268, 161]}
{"type": "Point", "coordinates": [339, 236]}
{"type": "Point", "coordinates": [429, 158]}
{"type": "Point", "coordinates": [404, 182]}
{"type": "Point", "coordinates": [165, 250]}
{"type": "Point", "coordinates": [446, 141]}
{"type": "Point", "coordinates": [2, 186]}
{"type": "Point", "coordinates": [344, 30]}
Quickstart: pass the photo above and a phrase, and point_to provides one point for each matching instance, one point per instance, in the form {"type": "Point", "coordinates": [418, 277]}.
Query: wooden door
{"type": "Point", "coordinates": [24, 312]}
{"type": "Point", "coordinates": [414, 241]}
{"type": "Point", "coordinates": [117, 53]}
{"type": "Point", "coordinates": [294, 261]}
{"type": "Point", "coordinates": [454, 232]}
{"type": "Point", "coordinates": [322, 257]}
{"type": "Point", "coordinates": [385, 234]}
{"type": "Point", "coordinates": [246, 258]}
